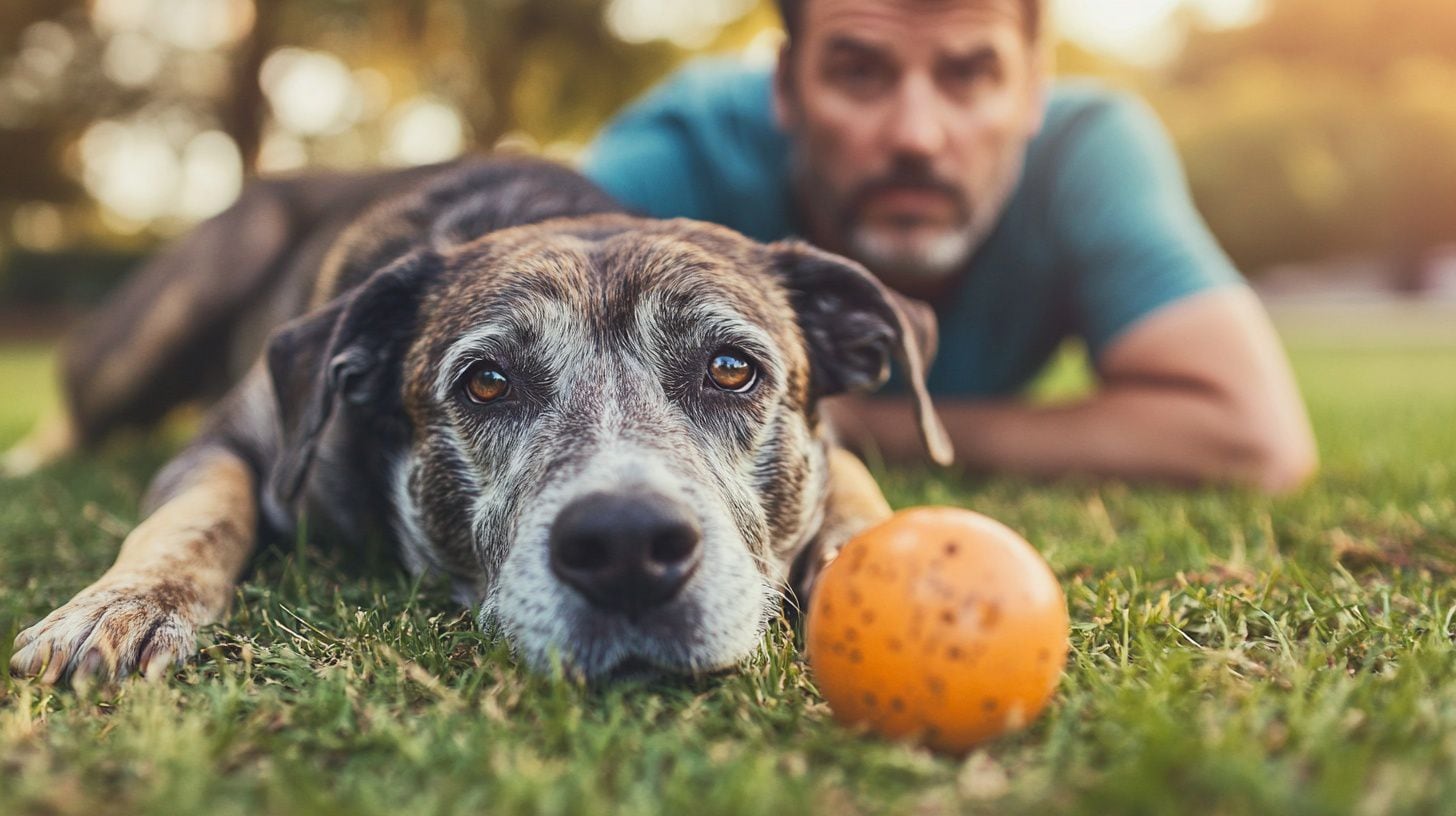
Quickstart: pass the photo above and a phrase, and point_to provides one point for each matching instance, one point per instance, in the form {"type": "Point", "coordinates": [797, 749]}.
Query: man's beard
{"type": "Point", "coordinates": [891, 249]}
{"type": "Point", "coordinates": [930, 258]}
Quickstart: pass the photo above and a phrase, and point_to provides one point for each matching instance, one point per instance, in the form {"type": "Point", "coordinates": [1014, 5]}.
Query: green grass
{"type": "Point", "coordinates": [1230, 654]}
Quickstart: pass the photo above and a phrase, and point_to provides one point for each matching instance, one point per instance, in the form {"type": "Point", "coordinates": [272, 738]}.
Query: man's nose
{"type": "Point", "coordinates": [917, 123]}
{"type": "Point", "coordinates": [625, 552]}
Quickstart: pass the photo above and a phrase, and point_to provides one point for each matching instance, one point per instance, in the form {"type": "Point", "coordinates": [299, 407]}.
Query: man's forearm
{"type": "Point", "coordinates": [1160, 432]}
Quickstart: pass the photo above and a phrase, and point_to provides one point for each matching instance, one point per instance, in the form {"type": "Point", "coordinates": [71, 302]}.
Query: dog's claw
{"type": "Point", "coordinates": [55, 667]}
{"type": "Point", "coordinates": [88, 666]}
{"type": "Point", "coordinates": [22, 665]}
{"type": "Point", "coordinates": [155, 664]}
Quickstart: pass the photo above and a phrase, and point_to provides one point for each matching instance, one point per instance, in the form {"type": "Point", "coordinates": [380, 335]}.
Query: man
{"type": "Point", "coordinates": [925, 139]}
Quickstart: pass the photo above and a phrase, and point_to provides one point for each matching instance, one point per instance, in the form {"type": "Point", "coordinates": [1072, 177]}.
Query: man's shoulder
{"type": "Point", "coordinates": [701, 144]}
{"type": "Point", "coordinates": [1078, 108]}
{"type": "Point", "coordinates": [707, 94]}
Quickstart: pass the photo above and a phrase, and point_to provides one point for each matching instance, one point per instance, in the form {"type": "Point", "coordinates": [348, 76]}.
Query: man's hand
{"type": "Point", "coordinates": [1197, 392]}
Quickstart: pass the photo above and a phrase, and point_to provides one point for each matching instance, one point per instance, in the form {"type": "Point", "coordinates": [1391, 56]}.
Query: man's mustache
{"type": "Point", "coordinates": [907, 179]}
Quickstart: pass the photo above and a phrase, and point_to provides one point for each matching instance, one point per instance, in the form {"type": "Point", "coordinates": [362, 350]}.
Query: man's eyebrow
{"type": "Point", "coordinates": [846, 44]}
{"type": "Point", "coordinates": [976, 55]}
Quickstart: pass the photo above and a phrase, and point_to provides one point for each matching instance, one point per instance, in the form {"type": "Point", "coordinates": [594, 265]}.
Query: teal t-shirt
{"type": "Point", "coordinates": [1100, 232]}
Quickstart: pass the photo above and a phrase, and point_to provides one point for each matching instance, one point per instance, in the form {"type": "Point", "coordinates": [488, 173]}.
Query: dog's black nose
{"type": "Point", "coordinates": [624, 552]}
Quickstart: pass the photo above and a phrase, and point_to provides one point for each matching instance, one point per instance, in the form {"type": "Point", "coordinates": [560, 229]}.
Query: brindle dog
{"type": "Point", "coordinates": [601, 428]}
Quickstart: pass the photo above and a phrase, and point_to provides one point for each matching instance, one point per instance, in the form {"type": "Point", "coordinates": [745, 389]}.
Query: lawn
{"type": "Point", "coordinates": [1230, 654]}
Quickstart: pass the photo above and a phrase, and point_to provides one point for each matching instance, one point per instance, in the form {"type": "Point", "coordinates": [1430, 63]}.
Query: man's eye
{"type": "Point", "coordinates": [860, 77]}
{"type": "Point", "coordinates": [959, 75]}
{"type": "Point", "coordinates": [729, 370]}
{"type": "Point", "coordinates": [486, 383]}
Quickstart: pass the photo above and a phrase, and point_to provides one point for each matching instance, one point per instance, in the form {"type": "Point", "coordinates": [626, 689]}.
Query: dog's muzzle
{"type": "Point", "coordinates": [624, 552]}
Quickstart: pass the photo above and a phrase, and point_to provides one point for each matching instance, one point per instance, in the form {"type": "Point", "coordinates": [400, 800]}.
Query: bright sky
{"type": "Point", "coordinates": [1142, 30]}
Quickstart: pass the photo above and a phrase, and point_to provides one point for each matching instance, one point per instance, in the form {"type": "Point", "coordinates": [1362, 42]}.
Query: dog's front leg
{"type": "Point", "coordinates": [855, 504]}
{"type": "Point", "coordinates": [175, 573]}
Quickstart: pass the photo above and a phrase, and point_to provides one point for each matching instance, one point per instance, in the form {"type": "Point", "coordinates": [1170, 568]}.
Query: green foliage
{"type": "Point", "coordinates": [1231, 654]}
{"type": "Point", "coordinates": [1322, 129]}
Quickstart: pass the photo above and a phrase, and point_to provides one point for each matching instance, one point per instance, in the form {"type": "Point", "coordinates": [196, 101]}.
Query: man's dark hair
{"type": "Point", "coordinates": [792, 12]}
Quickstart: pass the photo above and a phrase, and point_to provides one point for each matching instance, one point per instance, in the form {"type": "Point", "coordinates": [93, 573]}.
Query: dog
{"type": "Point", "coordinates": [602, 429]}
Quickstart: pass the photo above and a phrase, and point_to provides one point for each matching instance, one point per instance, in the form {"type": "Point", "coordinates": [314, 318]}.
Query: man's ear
{"type": "Point", "coordinates": [854, 326]}
{"type": "Point", "coordinates": [350, 349]}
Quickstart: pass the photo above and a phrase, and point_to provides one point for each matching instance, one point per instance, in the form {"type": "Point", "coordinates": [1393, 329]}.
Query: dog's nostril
{"type": "Point", "coordinates": [584, 554]}
{"type": "Point", "coordinates": [673, 546]}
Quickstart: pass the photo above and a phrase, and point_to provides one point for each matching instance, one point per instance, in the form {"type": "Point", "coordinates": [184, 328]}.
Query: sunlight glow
{"type": "Point", "coordinates": [425, 131]}
{"type": "Point", "coordinates": [311, 92]}
{"type": "Point", "coordinates": [689, 25]}
{"type": "Point", "coordinates": [138, 174]}
{"type": "Point", "coordinates": [1144, 31]}
{"type": "Point", "coordinates": [132, 59]}
{"type": "Point", "coordinates": [212, 175]}
{"type": "Point", "coordinates": [195, 25]}
{"type": "Point", "coordinates": [130, 169]}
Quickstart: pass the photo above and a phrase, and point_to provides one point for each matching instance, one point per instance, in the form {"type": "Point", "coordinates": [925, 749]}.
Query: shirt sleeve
{"type": "Point", "coordinates": [1128, 231]}
{"type": "Point", "coordinates": [644, 158]}
{"type": "Point", "coordinates": [702, 145]}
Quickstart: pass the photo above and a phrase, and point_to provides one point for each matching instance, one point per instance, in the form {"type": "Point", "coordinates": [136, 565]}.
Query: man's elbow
{"type": "Point", "coordinates": [1281, 464]}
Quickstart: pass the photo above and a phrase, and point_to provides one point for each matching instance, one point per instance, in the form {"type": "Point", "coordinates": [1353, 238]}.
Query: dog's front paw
{"type": "Point", "coordinates": [109, 631]}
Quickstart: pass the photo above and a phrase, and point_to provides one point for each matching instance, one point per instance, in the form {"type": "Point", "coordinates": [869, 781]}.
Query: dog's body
{"type": "Point", "coordinates": [601, 428]}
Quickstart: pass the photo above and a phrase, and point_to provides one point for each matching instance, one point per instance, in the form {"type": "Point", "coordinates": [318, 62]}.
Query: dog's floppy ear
{"type": "Point", "coordinates": [855, 326]}
{"type": "Point", "coordinates": [350, 349]}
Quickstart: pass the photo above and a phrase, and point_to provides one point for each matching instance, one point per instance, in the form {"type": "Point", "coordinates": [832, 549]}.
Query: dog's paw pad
{"type": "Point", "coordinates": [105, 634]}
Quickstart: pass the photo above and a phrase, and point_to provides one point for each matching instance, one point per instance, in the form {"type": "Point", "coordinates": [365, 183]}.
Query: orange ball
{"type": "Point", "coordinates": [941, 625]}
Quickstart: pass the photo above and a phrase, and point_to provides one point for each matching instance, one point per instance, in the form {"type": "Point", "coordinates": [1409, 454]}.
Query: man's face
{"type": "Point", "coordinates": [911, 120]}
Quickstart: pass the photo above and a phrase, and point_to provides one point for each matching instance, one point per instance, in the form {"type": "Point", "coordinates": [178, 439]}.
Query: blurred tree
{"type": "Point", "coordinates": [122, 121]}
{"type": "Point", "coordinates": [1322, 129]}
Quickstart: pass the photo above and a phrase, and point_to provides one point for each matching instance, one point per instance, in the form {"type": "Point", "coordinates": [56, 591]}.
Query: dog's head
{"type": "Point", "coordinates": [611, 423]}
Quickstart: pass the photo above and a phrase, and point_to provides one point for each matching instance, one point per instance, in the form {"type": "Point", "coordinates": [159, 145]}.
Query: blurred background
{"type": "Point", "coordinates": [1319, 136]}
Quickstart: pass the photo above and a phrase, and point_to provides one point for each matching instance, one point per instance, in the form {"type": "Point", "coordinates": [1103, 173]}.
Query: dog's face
{"type": "Point", "coordinates": [612, 427]}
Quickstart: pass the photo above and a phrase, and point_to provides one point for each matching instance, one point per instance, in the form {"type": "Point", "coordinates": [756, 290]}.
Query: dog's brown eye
{"type": "Point", "coordinates": [730, 371]}
{"type": "Point", "coordinates": [485, 384]}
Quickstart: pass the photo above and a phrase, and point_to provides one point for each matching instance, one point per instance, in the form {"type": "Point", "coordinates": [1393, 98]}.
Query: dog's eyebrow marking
{"type": "Point", "coordinates": [706, 318]}
{"type": "Point", "coordinates": [476, 345]}
{"type": "Point", "coordinates": [545, 318]}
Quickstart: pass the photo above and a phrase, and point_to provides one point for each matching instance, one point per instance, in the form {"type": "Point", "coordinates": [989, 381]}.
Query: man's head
{"type": "Point", "coordinates": [911, 120]}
